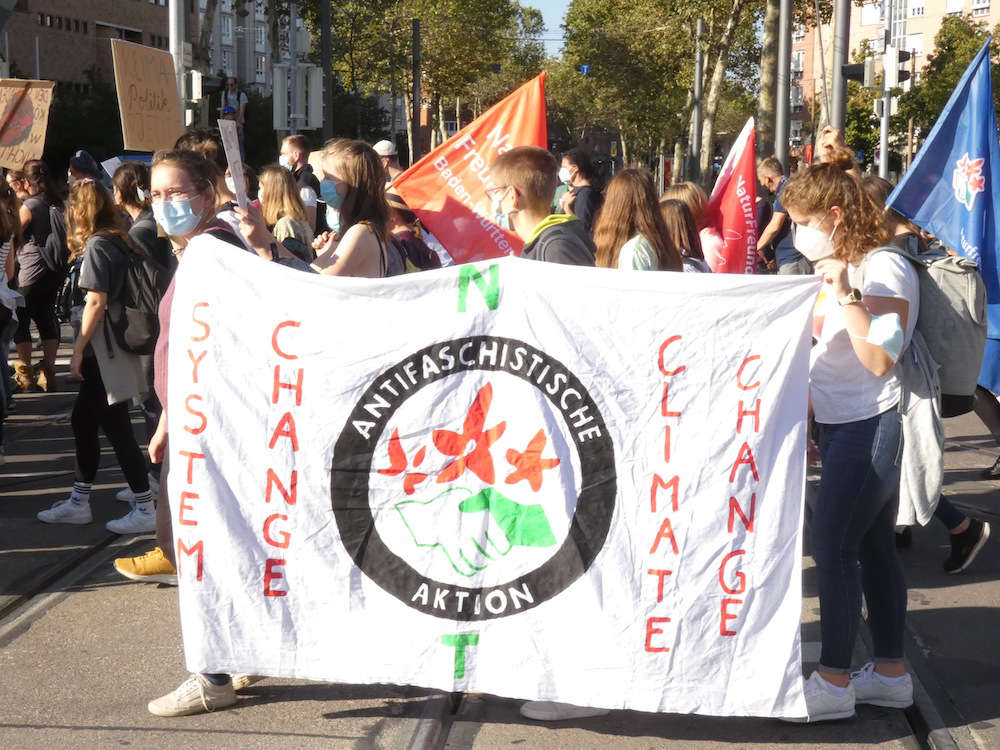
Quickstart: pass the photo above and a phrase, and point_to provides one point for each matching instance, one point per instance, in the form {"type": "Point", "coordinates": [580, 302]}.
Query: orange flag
{"type": "Point", "coordinates": [732, 209]}
{"type": "Point", "coordinates": [447, 188]}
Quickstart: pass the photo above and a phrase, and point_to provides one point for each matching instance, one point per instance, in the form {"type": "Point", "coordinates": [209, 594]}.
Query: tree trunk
{"type": "Point", "coordinates": [766, 105]}
{"type": "Point", "coordinates": [621, 138]}
{"type": "Point", "coordinates": [678, 163]}
{"type": "Point", "coordinates": [408, 117]}
{"type": "Point", "coordinates": [715, 89]}
{"type": "Point", "coordinates": [458, 113]}
{"type": "Point", "coordinates": [661, 166]}
{"type": "Point", "coordinates": [202, 51]}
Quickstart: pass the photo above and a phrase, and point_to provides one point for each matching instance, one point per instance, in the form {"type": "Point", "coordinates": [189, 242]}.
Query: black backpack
{"type": "Point", "coordinates": [135, 321]}
{"type": "Point", "coordinates": [54, 251]}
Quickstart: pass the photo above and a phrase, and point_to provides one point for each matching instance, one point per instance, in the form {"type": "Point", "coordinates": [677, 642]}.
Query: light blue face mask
{"type": "Point", "coordinates": [333, 219]}
{"type": "Point", "coordinates": [886, 332]}
{"type": "Point", "coordinates": [328, 192]}
{"type": "Point", "coordinates": [501, 219]}
{"type": "Point", "coordinates": [140, 194]}
{"type": "Point", "coordinates": [283, 161]}
{"type": "Point", "coordinates": [176, 217]}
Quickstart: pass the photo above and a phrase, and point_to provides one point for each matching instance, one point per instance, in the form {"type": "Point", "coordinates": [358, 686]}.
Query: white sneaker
{"type": "Point", "coordinates": [869, 688]}
{"type": "Point", "coordinates": [195, 695]}
{"type": "Point", "coordinates": [822, 704]}
{"type": "Point", "coordinates": [66, 511]}
{"type": "Point", "coordinates": [135, 522]}
{"type": "Point", "coordinates": [127, 496]}
{"type": "Point", "coordinates": [552, 711]}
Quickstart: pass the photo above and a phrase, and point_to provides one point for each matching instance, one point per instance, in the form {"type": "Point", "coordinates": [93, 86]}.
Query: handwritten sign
{"type": "Point", "coordinates": [25, 115]}
{"type": "Point", "coordinates": [231, 144]}
{"type": "Point", "coordinates": [147, 96]}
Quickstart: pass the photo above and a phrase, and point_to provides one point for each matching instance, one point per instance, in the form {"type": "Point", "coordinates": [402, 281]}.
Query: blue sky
{"type": "Point", "coordinates": [553, 11]}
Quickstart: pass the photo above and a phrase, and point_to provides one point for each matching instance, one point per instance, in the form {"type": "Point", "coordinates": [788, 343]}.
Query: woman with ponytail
{"type": "Point", "coordinates": [864, 325]}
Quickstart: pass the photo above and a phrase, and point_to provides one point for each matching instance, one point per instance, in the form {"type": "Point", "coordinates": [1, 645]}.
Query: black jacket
{"type": "Point", "coordinates": [567, 242]}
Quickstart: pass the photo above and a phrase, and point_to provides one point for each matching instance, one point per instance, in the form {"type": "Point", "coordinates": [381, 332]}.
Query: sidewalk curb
{"type": "Point", "coordinates": [435, 722]}
{"type": "Point", "coordinates": [924, 714]}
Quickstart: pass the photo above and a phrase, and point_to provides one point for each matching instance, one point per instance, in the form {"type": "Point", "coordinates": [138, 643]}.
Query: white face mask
{"type": "Point", "coordinates": [500, 218]}
{"type": "Point", "coordinates": [814, 244]}
{"type": "Point", "coordinates": [231, 184]}
{"type": "Point", "coordinates": [564, 176]}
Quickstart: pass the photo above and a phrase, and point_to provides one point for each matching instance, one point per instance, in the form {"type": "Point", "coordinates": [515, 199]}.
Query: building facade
{"type": "Point", "coordinates": [241, 43]}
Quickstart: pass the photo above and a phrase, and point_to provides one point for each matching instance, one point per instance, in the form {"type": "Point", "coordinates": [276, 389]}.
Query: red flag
{"type": "Point", "coordinates": [732, 209]}
{"type": "Point", "coordinates": [447, 188]}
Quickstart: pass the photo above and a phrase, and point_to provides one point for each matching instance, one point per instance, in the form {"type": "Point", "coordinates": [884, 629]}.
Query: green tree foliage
{"type": "Point", "coordinates": [955, 44]}
{"type": "Point", "coordinates": [89, 121]}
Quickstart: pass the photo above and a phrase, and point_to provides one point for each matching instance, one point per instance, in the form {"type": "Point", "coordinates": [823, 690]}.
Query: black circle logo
{"type": "Point", "coordinates": [352, 468]}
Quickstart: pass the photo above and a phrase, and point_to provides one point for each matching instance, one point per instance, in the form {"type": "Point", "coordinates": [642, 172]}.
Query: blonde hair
{"type": "Point", "coordinates": [530, 169]}
{"type": "Point", "coordinates": [90, 210]}
{"type": "Point", "coordinates": [279, 196]}
{"type": "Point", "coordinates": [823, 186]}
{"type": "Point", "coordinates": [692, 196]}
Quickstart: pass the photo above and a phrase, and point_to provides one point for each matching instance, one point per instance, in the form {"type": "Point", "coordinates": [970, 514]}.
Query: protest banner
{"type": "Point", "coordinates": [147, 96]}
{"type": "Point", "coordinates": [25, 116]}
{"type": "Point", "coordinates": [469, 489]}
{"type": "Point", "coordinates": [447, 188]}
{"type": "Point", "coordinates": [231, 144]}
{"type": "Point", "coordinates": [732, 209]}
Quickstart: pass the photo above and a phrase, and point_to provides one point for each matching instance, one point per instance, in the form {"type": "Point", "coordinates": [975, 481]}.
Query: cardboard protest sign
{"type": "Point", "coordinates": [447, 188]}
{"type": "Point", "coordinates": [24, 116]}
{"type": "Point", "coordinates": [231, 144]}
{"type": "Point", "coordinates": [732, 209]}
{"type": "Point", "coordinates": [482, 485]}
{"type": "Point", "coordinates": [147, 96]}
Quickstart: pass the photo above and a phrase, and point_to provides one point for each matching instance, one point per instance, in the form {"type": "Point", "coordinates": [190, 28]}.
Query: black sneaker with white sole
{"type": "Point", "coordinates": [965, 546]}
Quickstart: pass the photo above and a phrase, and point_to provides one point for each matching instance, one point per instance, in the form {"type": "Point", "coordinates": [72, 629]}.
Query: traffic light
{"type": "Point", "coordinates": [863, 72]}
{"type": "Point", "coordinates": [894, 74]}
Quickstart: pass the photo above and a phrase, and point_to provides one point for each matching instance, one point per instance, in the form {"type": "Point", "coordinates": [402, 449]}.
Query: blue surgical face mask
{"type": "Point", "coordinates": [176, 217]}
{"type": "Point", "coordinates": [328, 192]}
{"type": "Point", "coordinates": [500, 218]}
{"type": "Point", "coordinates": [333, 219]}
{"type": "Point", "coordinates": [284, 161]}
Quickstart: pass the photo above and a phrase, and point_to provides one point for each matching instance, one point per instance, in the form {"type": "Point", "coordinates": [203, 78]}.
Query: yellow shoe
{"type": "Point", "coordinates": [152, 567]}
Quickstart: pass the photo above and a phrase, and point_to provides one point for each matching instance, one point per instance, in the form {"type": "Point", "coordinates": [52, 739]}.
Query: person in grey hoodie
{"type": "Point", "coordinates": [524, 183]}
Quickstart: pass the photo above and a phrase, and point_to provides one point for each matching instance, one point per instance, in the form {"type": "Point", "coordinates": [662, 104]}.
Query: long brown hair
{"type": "Point", "coordinates": [630, 209]}
{"type": "Point", "coordinates": [821, 187]}
{"type": "Point", "coordinates": [360, 168]}
{"type": "Point", "coordinates": [10, 221]}
{"type": "Point", "coordinates": [279, 196]}
{"type": "Point", "coordinates": [130, 178]}
{"type": "Point", "coordinates": [680, 228]}
{"type": "Point", "coordinates": [89, 211]}
{"type": "Point", "coordinates": [691, 195]}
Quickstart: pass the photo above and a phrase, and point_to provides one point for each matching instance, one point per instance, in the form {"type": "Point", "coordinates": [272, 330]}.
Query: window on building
{"type": "Point", "coordinates": [226, 6]}
{"type": "Point", "coordinates": [226, 25]}
{"type": "Point", "coordinates": [260, 35]}
{"type": "Point", "coordinates": [227, 62]}
{"type": "Point", "coordinates": [798, 61]}
{"type": "Point", "coordinates": [59, 23]}
{"type": "Point", "coordinates": [795, 130]}
{"type": "Point", "coordinates": [871, 14]}
{"type": "Point", "coordinates": [954, 6]}
{"type": "Point", "coordinates": [261, 69]}
{"type": "Point", "coordinates": [981, 11]}
{"type": "Point", "coordinates": [203, 4]}
{"type": "Point", "coordinates": [917, 9]}
{"type": "Point", "coordinates": [798, 32]}
{"type": "Point", "coordinates": [261, 8]}
{"type": "Point", "coordinates": [915, 43]}
{"type": "Point", "coordinates": [84, 27]}
{"type": "Point", "coordinates": [796, 98]}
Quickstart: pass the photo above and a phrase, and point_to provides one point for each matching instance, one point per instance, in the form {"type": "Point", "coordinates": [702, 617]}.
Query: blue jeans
{"type": "Point", "coordinates": [853, 522]}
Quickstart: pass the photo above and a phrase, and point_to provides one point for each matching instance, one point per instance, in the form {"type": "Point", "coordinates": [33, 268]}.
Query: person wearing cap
{"type": "Point", "coordinates": [83, 166]}
{"type": "Point", "coordinates": [386, 151]}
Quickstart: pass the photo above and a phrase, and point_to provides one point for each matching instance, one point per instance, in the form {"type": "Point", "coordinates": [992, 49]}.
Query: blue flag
{"type": "Point", "coordinates": [952, 189]}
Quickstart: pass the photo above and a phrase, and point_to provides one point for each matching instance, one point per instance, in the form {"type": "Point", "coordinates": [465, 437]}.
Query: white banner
{"type": "Point", "coordinates": [518, 478]}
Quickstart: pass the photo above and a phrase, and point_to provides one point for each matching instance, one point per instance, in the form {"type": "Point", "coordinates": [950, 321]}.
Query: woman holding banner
{"type": "Point", "coordinates": [629, 232]}
{"type": "Point", "coordinates": [357, 213]}
{"type": "Point", "coordinates": [855, 391]}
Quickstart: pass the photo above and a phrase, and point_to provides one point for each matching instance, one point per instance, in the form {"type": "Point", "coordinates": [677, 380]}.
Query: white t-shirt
{"type": "Point", "coordinates": [637, 255]}
{"type": "Point", "coordinates": [841, 388]}
{"type": "Point", "coordinates": [308, 196]}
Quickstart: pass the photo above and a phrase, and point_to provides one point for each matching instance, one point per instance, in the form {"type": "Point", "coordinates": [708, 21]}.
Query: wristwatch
{"type": "Point", "coordinates": [850, 299]}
